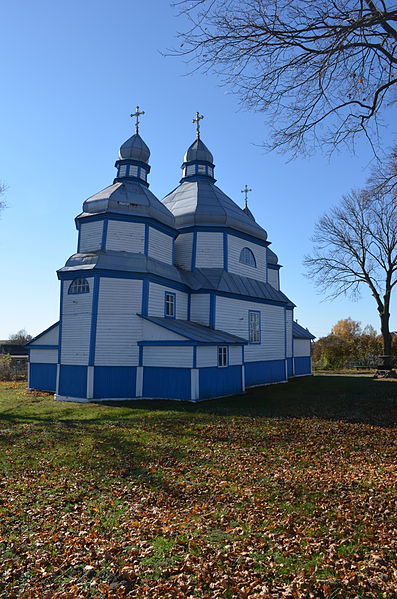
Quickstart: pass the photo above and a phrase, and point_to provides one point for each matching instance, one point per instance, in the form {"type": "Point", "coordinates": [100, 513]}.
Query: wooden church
{"type": "Point", "coordinates": [176, 299]}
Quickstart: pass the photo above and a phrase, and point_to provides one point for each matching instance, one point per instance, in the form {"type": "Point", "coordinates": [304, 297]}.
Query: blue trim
{"type": "Point", "coordinates": [260, 327]}
{"type": "Point", "coordinates": [195, 356]}
{"type": "Point", "coordinates": [43, 333]}
{"type": "Point", "coordinates": [146, 242]}
{"type": "Point", "coordinates": [274, 266]}
{"type": "Point", "coordinates": [94, 321]}
{"type": "Point", "coordinates": [225, 252]}
{"type": "Point", "coordinates": [165, 304]}
{"type": "Point", "coordinates": [145, 297]}
{"type": "Point", "coordinates": [43, 347]}
{"type": "Point", "coordinates": [140, 356]}
{"type": "Point", "coordinates": [229, 230]}
{"type": "Point", "coordinates": [190, 342]}
{"type": "Point", "coordinates": [134, 162]}
{"type": "Point", "coordinates": [173, 253]}
{"type": "Point", "coordinates": [285, 333]}
{"type": "Point", "coordinates": [104, 234]}
{"type": "Point", "coordinates": [78, 241]}
{"type": "Point", "coordinates": [212, 310]}
{"type": "Point", "coordinates": [194, 250]}
{"type": "Point", "coordinates": [84, 217]}
{"type": "Point", "coordinates": [266, 267]}
{"type": "Point", "coordinates": [60, 324]}
{"type": "Point", "coordinates": [189, 306]}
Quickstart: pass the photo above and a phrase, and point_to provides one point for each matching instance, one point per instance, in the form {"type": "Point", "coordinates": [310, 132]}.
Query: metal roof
{"type": "Point", "coordinates": [198, 151]}
{"type": "Point", "coordinates": [203, 203]}
{"type": "Point", "coordinates": [299, 332]}
{"type": "Point", "coordinates": [272, 258]}
{"type": "Point", "coordinates": [196, 332]}
{"type": "Point", "coordinates": [135, 149]}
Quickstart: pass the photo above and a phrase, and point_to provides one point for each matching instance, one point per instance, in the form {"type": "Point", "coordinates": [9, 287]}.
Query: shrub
{"type": "Point", "coordinates": [7, 370]}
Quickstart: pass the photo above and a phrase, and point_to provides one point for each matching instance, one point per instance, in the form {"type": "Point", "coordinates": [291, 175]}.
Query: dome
{"type": "Point", "coordinates": [198, 151]}
{"type": "Point", "coordinates": [134, 149]}
{"type": "Point", "coordinates": [271, 257]}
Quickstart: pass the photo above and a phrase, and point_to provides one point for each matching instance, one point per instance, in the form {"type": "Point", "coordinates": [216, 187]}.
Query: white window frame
{"type": "Point", "coordinates": [223, 356]}
{"type": "Point", "coordinates": [169, 304]}
{"type": "Point", "coordinates": [254, 326]}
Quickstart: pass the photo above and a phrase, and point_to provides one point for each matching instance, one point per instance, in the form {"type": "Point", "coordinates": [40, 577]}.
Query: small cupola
{"type": "Point", "coordinates": [134, 154]}
{"type": "Point", "coordinates": [198, 162]}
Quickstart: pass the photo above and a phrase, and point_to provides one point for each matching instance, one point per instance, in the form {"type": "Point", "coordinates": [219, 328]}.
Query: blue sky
{"type": "Point", "coordinates": [71, 75]}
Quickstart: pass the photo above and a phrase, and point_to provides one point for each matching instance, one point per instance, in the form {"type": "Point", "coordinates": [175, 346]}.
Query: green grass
{"type": "Point", "coordinates": [287, 487]}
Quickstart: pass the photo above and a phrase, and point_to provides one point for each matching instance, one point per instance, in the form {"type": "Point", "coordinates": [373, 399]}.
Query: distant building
{"type": "Point", "coordinates": [177, 299]}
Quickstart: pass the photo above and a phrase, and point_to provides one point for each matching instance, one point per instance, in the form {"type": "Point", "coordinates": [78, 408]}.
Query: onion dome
{"type": "Point", "coordinates": [132, 164]}
{"type": "Point", "coordinates": [198, 151]}
{"type": "Point", "coordinates": [198, 163]}
{"type": "Point", "coordinates": [134, 149]}
{"type": "Point", "coordinates": [271, 257]}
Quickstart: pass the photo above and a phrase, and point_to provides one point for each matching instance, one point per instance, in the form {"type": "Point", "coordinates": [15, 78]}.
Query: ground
{"type": "Point", "coordinates": [288, 491]}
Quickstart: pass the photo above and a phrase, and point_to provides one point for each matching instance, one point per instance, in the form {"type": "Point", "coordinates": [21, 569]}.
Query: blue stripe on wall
{"type": "Point", "coordinates": [194, 249]}
{"type": "Point", "coordinates": [269, 371]}
{"type": "Point", "coordinates": [212, 310]}
{"type": "Point", "coordinates": [170, 383]}
{"type": "Point", "coordinates": [290, 368]}
{"type": "Point", "coordinates": [114, 381]}
{"type": "Point", "coordinates": [225, 251]}
{"type": "Point", "coordinates": [215, 382]}
{"type": "Point", "coordinates": [104, 234]}
{"type": "Point", "coordinates": [73, 381]}
{"type": "Point", "coordinates": [302, 365]}
{"type": "Point", "coordinates": [94, 320]}
{"type": "Point", "coordinates": [43, 377]}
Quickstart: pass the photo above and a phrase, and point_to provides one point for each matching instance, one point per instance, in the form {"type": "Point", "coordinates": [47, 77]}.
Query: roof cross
{"type": "Point", "coordinates": [137, 114]}
{"type": "Point", "coordinates": [197, 121]}
{"type": "Point", "coordinates": [246, 191]}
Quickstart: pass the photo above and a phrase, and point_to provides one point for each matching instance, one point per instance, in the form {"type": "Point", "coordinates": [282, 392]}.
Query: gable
{"type": "Point", "coordinates": [48, 337]}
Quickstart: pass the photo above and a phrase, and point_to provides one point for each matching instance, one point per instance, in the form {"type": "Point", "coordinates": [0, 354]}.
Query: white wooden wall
{"type": "Point", "coordinates": [209, 250]}
{"type": "Point", "coordinates": [273, 278]}
{"type": "Point", "coordinates": [156, 301]}
{"type": "Point", "coordinates": [160, 245]}
{"type": "Point", "coordinates": [289, 332]}
{"type": "Point", "coordinates": [207, 355]}
{"type": "Point", "coordinates": [118, 326]}
{"type": "Point", "coordinates": [200, 308]}
{"type": "Point", "coordinates": [232, 317]}
{"type": "Point", "coordinates": [183, 250]}
{"type": "Point", "coordinates": [125, 237]}
{"type": "Point", "coordinates": [173, 357]}
{"type": "Point", "coordinates": [43, 356]}
{"type": "Point", "coordinates": [90, 236]}
{"type": "Point", "coordinates": [301, 348]}
{"type": "Point", "coordinates": [51, 337]}
{"type": "Point", "coordinates": [76, 326]}
{"type": "Point", "coordinates": [235, 245]}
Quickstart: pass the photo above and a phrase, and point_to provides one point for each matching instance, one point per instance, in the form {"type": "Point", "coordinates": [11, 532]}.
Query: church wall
{"type": "Point", "coordinates": [90, 236]}
{"type": "Point", "coordinates": [207, 356]}
{"type": "Point", "coordinates": [118, 326]}
{"type": "Point", "coordinates": [156, 301]}
{"type": "Point", "coordinates": [200, 308]}
{"type": "Point", "coordinates": [217, 382]}
{"type": "Point", "coordinates": [273, 278]}
{"type": "Point", "coordinates": [288, 315]}
{"type": "Point", "coordinates": [42, 376]}
{"type": "Point", "coordinates": [160, 245]}
{"type": "Point", "coordinates": [76, 326]}
{"type": "Point", "coordinates": [153, 332]}
{"type": "Point", "coordinates": [235, 245]}
{"type": "Point", "coordinates": [170, 383]}
{"type": "Point", "coordinates": [49, 337]}
{"type": "Point", "coordinates": [43, 356]}
{"type": "Point", "coordinates": [301, 347]}
{"type": "Point", "coordinates": [302, 366]}
{"type": "Point", "coordinates": [209, 250]}
{"type": "Point", "coordinates": [125, 237]}
{"type": "Point", "coordinates": [183, 251]}
{"type": "Point", "coordinates": [172, 357]}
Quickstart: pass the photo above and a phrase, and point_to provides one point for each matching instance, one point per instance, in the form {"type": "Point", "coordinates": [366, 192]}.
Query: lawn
{"type": "Point", "coordinates": [288, 491]}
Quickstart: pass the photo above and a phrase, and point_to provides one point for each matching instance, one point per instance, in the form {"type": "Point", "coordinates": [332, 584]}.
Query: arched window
{"type": "Point", "coordinates": [247, 257]}
{"type": "Point", "coordinates": [79, 286]}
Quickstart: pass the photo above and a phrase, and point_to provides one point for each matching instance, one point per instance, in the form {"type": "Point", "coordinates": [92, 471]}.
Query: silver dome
{"type": "Point", "coordinates": [198, 151]}
{"type": "Point", "coordinates": [135, 149]}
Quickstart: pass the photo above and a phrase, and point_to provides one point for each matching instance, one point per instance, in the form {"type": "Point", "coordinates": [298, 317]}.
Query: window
{"type": "Point", "coordinates": [142, 173]}
{"type": "Point", "coordinates": [191, 170]}
{"type": "Point", "coordinates": [223, 356]}
{"type": "Point", "coordinates": [247, 257]}
{"type": "Point", "coordinates": [79, 286]}
{"type": "Point", "coordinates": [210, 171]}
{"type": "Point", "coordinates": [133, 170]}
{"type": "Point", "coordinates": [254, 326]}
{"type": "Point", "coordinates": [201, 169]}
{"type": "Point", "coordinates": [169, 305]}
{"type": "Point", "coordinates": [123, 170]}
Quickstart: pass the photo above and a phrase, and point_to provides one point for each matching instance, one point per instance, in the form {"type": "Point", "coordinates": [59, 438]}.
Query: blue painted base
{"type": "Point", "coordinates": [261, 373]}
{"type": "Point", "coordinates": [43, 377]}
{"type": "Point", "coordinates": [290, 367]}
{"type": "Point", "coordinates": [73, 381]}
{"type": "Point", "coordinates": [166, 383]}
{"type": "Point", "coordinates": [114, 381]}
{"type": "Point", "coordinates": [303, 366]}
{"type": "Point", "coordinates": [215, 382]}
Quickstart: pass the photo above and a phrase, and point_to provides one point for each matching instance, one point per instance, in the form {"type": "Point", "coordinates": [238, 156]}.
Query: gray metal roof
{"type": "Point", "coordinates": [299, 332]}
{"type": "Point", "coordinates": [203, 203]}
{"type": "Point", "coordinates": [198, 151]}
{"type": "Point", "coordinates": [272, 258]}
{"type": "Point", "coordinates": [128, 197]}
{"type": "Point", "coordinates": [135, 149]}
{"type": "Point", "coordinates": [196, 332]}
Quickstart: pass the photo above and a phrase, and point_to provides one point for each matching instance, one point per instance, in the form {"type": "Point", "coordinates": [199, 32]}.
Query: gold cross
{"type": "Point", "coordinates": [246, 190]}
{"type": "Point", "coordinates": [137, 114]}
{"type": "Point", "coordinates": [197, 121]}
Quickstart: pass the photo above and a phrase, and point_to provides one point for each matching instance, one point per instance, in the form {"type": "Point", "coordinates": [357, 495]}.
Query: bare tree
{"type": "Point", "coordinates": [2, 191]}
{"type": "Point", "coordinates": [355, 244]}
{"type": "Point", "coordinates": [20, 337]}
{"type": "Point", "coordinates": [323, 71]}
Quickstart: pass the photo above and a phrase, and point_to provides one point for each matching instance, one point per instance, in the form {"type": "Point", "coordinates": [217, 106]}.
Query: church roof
{"type": "Point", "coordinates": [299, 332]}
{"type": "Point", "coordinates": [202, 203]}
{"type": "Point", "coordinates": [198, 151]}
{"type": "Point", "coordinates": [272, 258]}
{"type": "Point", "coordinates": [134, 149]}
{"type": "Point", "coordinates": [195, 332]}
{"type": "Point", "coordinates": [128, 197]}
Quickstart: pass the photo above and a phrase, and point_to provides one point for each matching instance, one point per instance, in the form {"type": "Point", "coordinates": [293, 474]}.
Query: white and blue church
{"type": "Point", "coordinates": [176, 298]}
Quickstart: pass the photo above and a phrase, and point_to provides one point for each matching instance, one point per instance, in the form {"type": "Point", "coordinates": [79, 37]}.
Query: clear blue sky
{"type": "Point", "coordinates": [71, 74]}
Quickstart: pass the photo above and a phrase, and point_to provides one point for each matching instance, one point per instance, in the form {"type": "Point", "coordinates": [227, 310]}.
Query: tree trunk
{"type": "Point", "coordinates": [387, 360]}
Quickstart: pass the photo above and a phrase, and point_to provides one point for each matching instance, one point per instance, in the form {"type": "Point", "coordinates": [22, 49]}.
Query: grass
{"type": "Point", "coordinates": [288, 490]}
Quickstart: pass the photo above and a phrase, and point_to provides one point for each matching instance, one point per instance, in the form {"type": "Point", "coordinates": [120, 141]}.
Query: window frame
{"type": "Point", "coordinates": [252, 337]}
{"type": "Point", "coordinates": [223, 356]}
{"type": "Point", "coordinates": [168, 295]}
{"type": "Point", "coordinates": [81, 284]}
{"type": "Point", "coordinates": [250, 260]}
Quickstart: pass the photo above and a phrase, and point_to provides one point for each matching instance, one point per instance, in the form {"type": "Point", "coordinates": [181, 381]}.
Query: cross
{"type": "Point", "coordinates": [197, 121]}
{"type": "Point", "coordinates": [137, 114]}
{"type": "Point", "coordinates": [246, 190]}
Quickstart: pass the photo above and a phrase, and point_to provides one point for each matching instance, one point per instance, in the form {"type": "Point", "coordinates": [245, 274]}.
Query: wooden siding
{"type": "Point", "coordinates": [207, 356]}
{"type": "Point", "coordinates": [273, 278]}
{"type": "Point", "coordinates": [160, 245]}
{"type": "Point", "coordinates": [232, 317]}
{"type": "Point", "coordinates": [235, 245]}
{"type": "Point", "coordinates": [153, 332]}
{"type": "Point", "coordinates": [43, 356]}
{"type": "Point", "coordinates": [235, 355]}
{"type": "Point", "coordinates": [76, 326]}
{"type": "Point", "coordinates": [200, 308]}
{"type": "Point", "coordinates": [172, 357]}
{"type": "Point", "coordinates": [118, 326]}
{"type": "Point", "coordinates": [209, 250]}
{"type": "Point", "coordinates": [91, 236]}
{"type": "Point", "coordinates": [289, 333]}
{"type": "Point", "coordinates": [156, 301]}
{"type": "Point", "coordinates": [49, 338]}
{"type": "Point", "coordinates": [125, 237]}
{"type": "Point", "coordinates": [183, 251]}
{"type": "Point", "coordinates": [301, 348]}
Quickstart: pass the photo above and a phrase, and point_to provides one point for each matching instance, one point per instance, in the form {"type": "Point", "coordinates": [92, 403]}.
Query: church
{"type": "Point", "coordinates": [176, 298]}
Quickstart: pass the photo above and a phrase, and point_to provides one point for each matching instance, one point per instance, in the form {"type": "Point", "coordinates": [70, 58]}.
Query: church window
{"type": "Point", "coordinates": [169, 304]}
{"type": "Point", "coordinates": [142, 174]}
{"type": "Point", "coordinates": [133, 170]}
{"type": "Point", "coordinates": [254, 326]}
{"type": "Point", "coordinates": [223, 356]}
{"type": "Point", "coordinates": [210, 171]}
{"type": "Point", "coordinates": [79, 286]}
{"type": "Point", "coordinates": [247, 257]}
{"type": "Point", "coordinates": [123, 170]}
{"type": "Point", "coordinates": [191, 170]}
{"type": "Point", "coordinates": [201, 169]}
